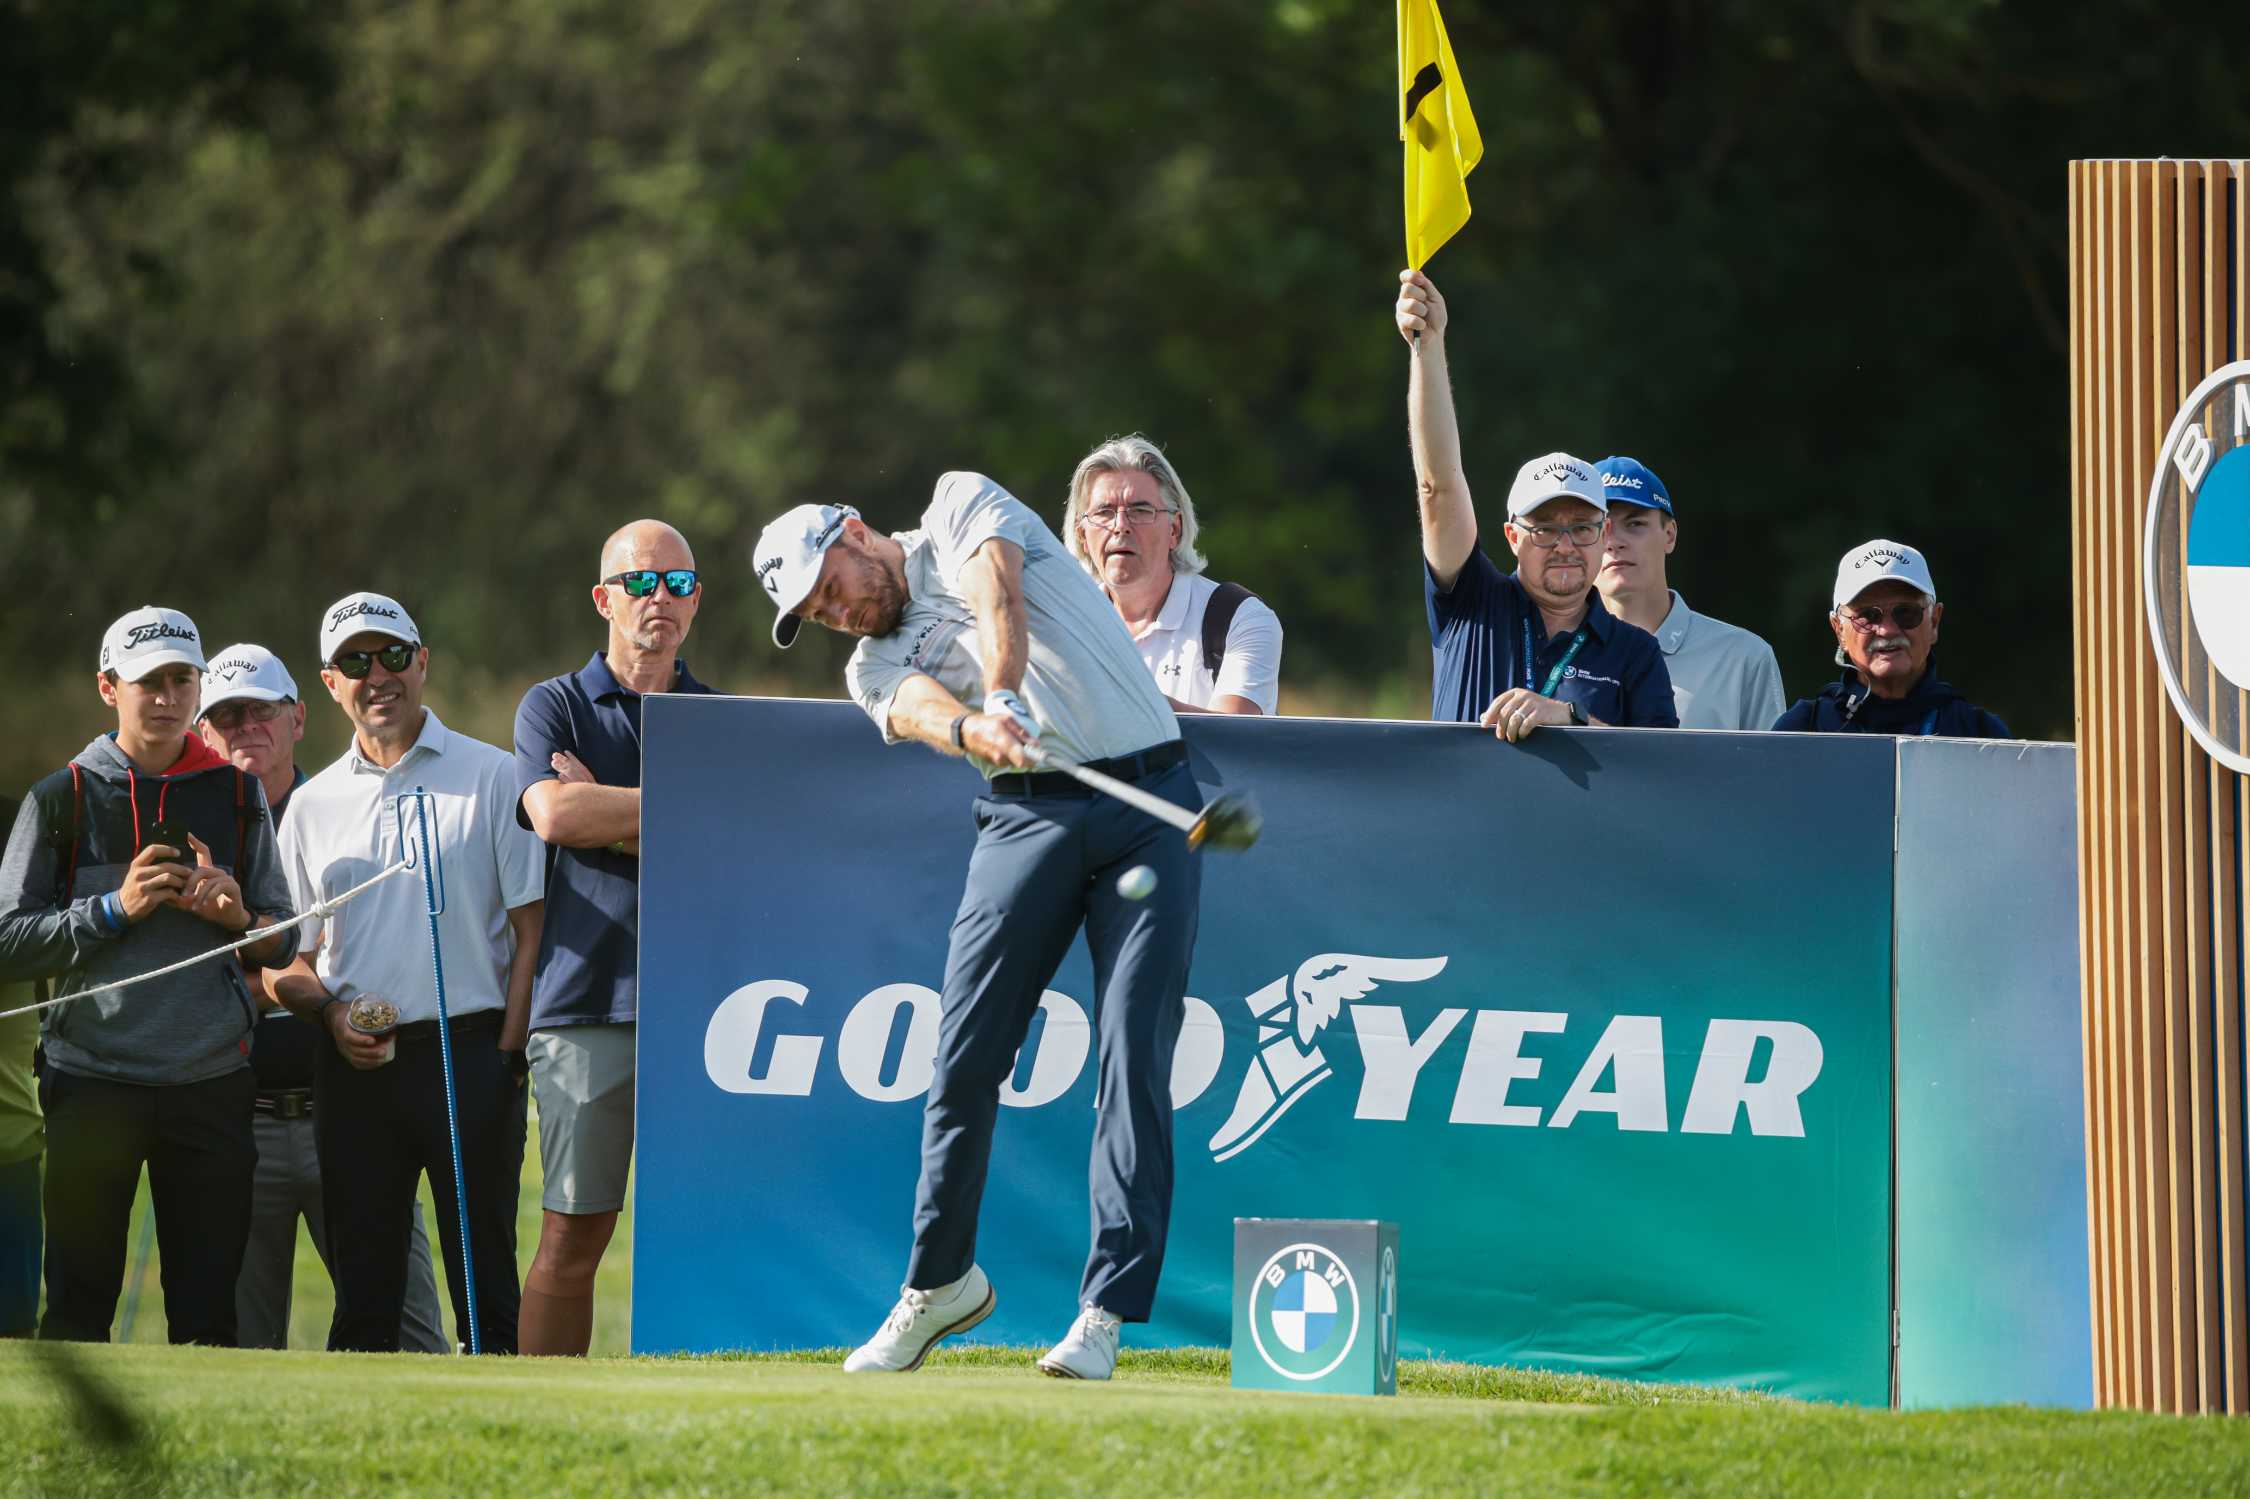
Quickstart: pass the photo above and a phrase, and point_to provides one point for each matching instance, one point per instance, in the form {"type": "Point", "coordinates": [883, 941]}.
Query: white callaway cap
{"type": "Point", "coordinates": [138, 643]}
{"type": "Point", "coordinates": [1558, 476]}
{"type": "Point", "coordinates": [246, 671]}
{"type": "Point", "coordinates": [788, 559]}
{"type": "Point", "coordinates": [364, 614]}
{"type": "Point", "coordinates": [1875, 562]}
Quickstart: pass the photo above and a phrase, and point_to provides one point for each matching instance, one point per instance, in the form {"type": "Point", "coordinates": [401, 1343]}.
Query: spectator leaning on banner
{"type": "Point", "coordinates": [23, 1136]}
{"type": "Point", "coordinates": [578, 764]}
{"type": "Point", "coordinates": [1213, 647]}
{"type": "Point", "coordinates": [1885, 617]}
{"type": "Point", "coordinates": [1536, 647]}
{"type": "Point", "coordinates": [253, 716]}
{"type": "Point", "coordinates": [379, 1114]}
{"type": "Point", "coordinates": [158, 1073]}
{"type": "Point", "coordinates": [1723, 677]}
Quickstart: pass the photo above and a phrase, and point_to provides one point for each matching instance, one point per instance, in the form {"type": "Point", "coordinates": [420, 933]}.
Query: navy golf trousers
{"type": "Point", "coordinates": [1043, 866]}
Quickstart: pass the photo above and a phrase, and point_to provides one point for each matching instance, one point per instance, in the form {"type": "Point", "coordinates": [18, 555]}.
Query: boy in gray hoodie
{"type": "Point", "coordinates": [159, 1073]}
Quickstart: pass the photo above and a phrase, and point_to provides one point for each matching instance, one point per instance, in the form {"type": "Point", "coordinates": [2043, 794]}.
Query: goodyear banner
{"type": "Point", "coordinates": [1601, 1022]}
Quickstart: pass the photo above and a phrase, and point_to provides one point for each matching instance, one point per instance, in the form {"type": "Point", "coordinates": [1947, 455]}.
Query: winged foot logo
{"type": "Point", "coordinates": [1290, 1013]}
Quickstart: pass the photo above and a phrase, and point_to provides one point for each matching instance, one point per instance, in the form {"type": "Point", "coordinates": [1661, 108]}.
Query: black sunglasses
{"type": "Point", "coordinates": [1868, 616]}
{"type": "Point", "coordinates": [356, 664]}
{"type": "Point", "coordinates": [641, 582]}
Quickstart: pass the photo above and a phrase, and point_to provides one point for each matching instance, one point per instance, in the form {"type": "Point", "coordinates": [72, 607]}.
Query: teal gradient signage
{"type": "Point", "coordinates": [1586, 1018]}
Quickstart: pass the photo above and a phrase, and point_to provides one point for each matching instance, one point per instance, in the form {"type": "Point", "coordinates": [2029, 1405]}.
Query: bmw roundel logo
{"type": "Point", "coordinates": [1304, 1311]}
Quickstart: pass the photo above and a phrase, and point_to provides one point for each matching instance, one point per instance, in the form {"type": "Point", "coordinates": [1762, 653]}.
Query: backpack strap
{"type": "Point", "coordinates": [1218, 617]}
{"type": "Point", "coordinates": [66, 840]}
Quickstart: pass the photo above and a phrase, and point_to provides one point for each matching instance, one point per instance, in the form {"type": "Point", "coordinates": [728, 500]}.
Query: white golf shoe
{"type": "Point", "coordinates": [1087, 1351]}
{"type": "Point", "coordinates": [919, 1320]}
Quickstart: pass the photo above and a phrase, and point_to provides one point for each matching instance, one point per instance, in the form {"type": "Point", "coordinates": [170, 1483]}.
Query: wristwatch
{"type": "Point", "coordinates": [1577, 714]}
{"type": "Point", "coordinates": [957, 744]}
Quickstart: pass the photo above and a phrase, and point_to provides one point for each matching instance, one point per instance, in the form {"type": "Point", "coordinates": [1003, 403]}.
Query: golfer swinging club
{"type": "Point", "coordinates": [984, 606]}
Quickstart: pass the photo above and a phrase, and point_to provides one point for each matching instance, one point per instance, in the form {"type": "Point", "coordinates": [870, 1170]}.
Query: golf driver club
{"type": "Point", "coordinates": [1231, 822]}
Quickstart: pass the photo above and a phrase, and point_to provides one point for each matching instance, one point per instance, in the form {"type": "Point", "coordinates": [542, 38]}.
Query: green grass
{"type": "Point", "coordinates": [218, 1422]}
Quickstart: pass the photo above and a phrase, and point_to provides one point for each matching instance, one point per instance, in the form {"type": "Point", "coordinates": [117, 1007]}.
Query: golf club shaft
{"type": "Point", "coordinates": [1132, 796]}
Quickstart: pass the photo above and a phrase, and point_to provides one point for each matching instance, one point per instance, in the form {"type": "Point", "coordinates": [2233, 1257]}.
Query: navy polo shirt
{"type": "Point", "coordinates": [1478, 631]}
{"type": "Point", "coordinates": [589, 946]}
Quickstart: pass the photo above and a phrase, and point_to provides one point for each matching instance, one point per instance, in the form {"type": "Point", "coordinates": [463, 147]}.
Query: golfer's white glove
{"type": "Point", "coordinates": [1004, 701]}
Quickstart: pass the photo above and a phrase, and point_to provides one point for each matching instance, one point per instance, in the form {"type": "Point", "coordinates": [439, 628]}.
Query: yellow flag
{"type": "Point", "coordinates": [1442, 144]}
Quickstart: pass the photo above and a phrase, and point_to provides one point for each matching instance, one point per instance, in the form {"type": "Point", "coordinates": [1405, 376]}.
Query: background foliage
{"type": "Point", "coordinates": [297, 298]}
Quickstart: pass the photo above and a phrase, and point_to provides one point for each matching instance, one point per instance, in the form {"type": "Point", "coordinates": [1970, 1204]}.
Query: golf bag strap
{"type": "Point", "coordinates": [1218, 618]}
{"type": "Point", "coordinates": [66, 840]}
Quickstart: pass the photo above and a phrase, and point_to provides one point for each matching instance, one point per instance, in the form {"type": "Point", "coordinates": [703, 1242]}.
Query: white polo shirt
{"type": "Point", "coordinates": [1723, 677]}
{"type": "Point", "coordinates": [342, 828]}
{"type": "Point", "coordinates": [1091, 695]}
{"type": "Point", "coordinates": [1172, 647]}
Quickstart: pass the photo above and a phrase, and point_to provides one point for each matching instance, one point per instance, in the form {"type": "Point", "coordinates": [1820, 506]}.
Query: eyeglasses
{"type": "Point", "coordinates": [1905, 616]}
{"type": "Point", "coordinates": [356, 664]}
{"type": "Point", "coordinates": [641, 582]}
{"type": "Point", "coordinates": [228, 717]}
{"type": "Point", "coordinates": [1117, 517]}
{"type": "Point", "coordinates": [1581, 533]}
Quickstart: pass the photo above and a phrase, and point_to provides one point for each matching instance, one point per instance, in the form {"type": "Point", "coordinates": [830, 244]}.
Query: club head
{"type": "Point", "coordinates": [1231, 823]}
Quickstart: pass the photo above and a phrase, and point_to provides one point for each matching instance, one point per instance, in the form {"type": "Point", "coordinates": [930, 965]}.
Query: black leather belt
{"type": "Point", "coordinates": [473, 1023]}
{"type": "Point", "coordinates": [1133, 767]}
{"type": "Point", "coordinates": [284, 1103]}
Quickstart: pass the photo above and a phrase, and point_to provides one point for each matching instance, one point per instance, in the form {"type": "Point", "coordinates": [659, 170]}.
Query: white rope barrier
{"type": "Point", "coordinates": [321, 911]}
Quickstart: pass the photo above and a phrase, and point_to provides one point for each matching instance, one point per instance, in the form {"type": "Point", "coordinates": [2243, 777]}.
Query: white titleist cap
{"type": "Point", "coordinates": [1875, 562]}
{"type": "Point", "coordinates": [1558, 476]}
{"type": "Point", "coordinates": [364, 614]}
{"type": "Point", "coordinates": [149, 637]}
{"type": "Point", "coordinates": [788, 560]}
{"type": "Point", "coordinates": [246, 671]}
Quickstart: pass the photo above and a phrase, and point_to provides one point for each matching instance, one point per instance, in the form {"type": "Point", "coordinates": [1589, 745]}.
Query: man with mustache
{"type": "Point", "coordinates": [980, 636]}
{"type": "Point", "coordinates": [1885, 617]}
{"type": "Point", "coordinates": [380, 1100]}
{"type": "Point", "coordinates": [148, 849]}
{"type": "Point", "coordinates": [1534, 648]}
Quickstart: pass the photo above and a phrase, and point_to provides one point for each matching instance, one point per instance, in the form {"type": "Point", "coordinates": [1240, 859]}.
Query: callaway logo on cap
{"type": "Point", "coordinates": [248, 672]}
{"type": "Point", "coordinates": [788, 560]}
{"type": "Point", "coordinates": [1875, 562]}
{"type": "Point", "coordinates": [1628, 481]}
{"type": "Point", "coordinates": [1558, 476]}
{"type": "Point", "coordinates": [364, 614]}
{"type": "Point", "coordinates": [149, 637]}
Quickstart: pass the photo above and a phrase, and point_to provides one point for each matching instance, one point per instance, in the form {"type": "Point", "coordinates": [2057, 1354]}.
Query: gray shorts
{"type": "Point", "coordinates": [582, 1076]}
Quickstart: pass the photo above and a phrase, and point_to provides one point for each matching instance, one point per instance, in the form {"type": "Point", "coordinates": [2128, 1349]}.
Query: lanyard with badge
{"type": "Point", "coordinates": [1577, 639]}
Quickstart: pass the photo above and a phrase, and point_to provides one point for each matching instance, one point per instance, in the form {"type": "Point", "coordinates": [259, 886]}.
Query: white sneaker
{"type": "Point", "coordinates": [1088, 1350]}
{"type": "Point", "coordinates": [919, 1320]}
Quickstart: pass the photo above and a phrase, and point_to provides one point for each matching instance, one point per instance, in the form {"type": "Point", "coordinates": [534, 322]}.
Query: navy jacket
{"type": "Point", "coordinates": [1935, 708]}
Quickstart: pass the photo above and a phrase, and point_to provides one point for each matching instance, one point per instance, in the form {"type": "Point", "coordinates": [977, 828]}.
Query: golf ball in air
{"type": "Point", "coordinates": [1137, 883]}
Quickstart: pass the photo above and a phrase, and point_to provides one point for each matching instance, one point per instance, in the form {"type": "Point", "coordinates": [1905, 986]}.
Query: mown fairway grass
{"type": "Point", "coordinates": [981, 1422]}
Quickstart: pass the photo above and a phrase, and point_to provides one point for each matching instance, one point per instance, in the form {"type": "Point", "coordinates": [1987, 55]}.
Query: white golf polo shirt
{"type": "Point", "coordinates": [1723, 677]}
{"type": "Point", "coordinates": [342, 829]}
{"type": "Point", "coordinates": [1082, 681]}
{"type": "Point", "coordinates": [1172, 648]}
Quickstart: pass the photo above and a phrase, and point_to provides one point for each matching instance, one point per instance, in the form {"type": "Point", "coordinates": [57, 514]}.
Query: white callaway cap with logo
{"type": "Point", "coordinates": [1875, 562]}
{"type": "Point", "coordinates": [364, 614]}
{"type": "Point", "coordinates": [1558, 476]}
{"type": "Point", "coordinates": [788, 560]}
{"type": "Point", "coordinates": [246, 672]}
{"type": "Point", "coordinates": [140, 642]}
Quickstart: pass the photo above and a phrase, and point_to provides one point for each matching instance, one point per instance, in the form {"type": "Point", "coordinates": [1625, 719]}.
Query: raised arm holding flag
{"type": "Point", "coordinates": [1439, 131]}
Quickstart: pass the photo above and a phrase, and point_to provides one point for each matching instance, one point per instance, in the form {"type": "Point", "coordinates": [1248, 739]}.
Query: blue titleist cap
{"type": "Point", "coordinates": [1628, 481]}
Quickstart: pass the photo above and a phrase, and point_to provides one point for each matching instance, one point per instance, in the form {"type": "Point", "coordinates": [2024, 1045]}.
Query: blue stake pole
{"type": "Point", "coordinates": [433, 900]}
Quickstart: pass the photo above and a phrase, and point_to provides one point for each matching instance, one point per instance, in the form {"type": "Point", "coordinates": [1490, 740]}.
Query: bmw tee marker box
{"type": "Point", "coordinates": [1316, 1305]}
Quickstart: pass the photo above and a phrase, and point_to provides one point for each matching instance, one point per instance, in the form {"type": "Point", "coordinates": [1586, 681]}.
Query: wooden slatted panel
{"type": "Point", "coordinates": [2160, 296]}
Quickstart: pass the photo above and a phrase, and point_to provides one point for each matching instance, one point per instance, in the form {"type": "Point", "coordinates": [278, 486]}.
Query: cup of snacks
{"type": "Point", "coordinates": [375, 1017]}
